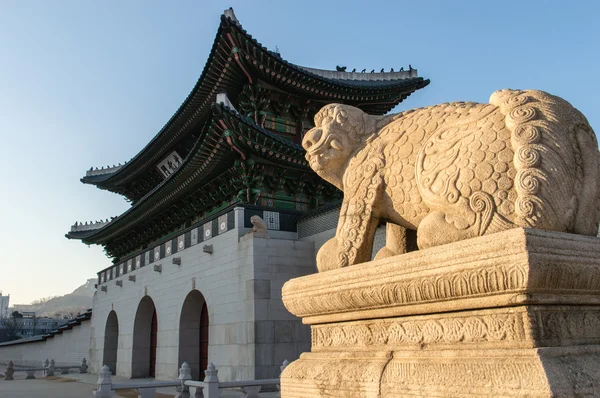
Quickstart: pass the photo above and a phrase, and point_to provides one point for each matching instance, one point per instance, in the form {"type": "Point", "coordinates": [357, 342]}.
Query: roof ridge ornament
{"type": "Point", "coordinates": [231, 15]}
{"type": "Point", "coordinates": [94, 171]}
{"type": "Point", "coordinates": [223, 99]}
{"type": "Point", "coordinates": [341, 74]}
{"type": "Point", "coordinates": [89, 226]}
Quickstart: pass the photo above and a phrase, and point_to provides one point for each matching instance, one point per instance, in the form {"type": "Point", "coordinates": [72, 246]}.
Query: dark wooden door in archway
{"type": "Point", "coordinates": [153, 343]}
{"type": "Point", "coordinates": [111, 342]}
{"type": "Point", "coordinates": [203, 340]}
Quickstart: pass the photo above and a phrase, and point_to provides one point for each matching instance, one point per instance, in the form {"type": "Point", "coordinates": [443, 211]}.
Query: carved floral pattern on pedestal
{"type": "Point", "coordinates": [567, 324]}
{"type": "Point", "coordinates": [533, 325]}
{"type": "Point", "coordinates": [471, 282]}
{"type": "Point", "coordinates": [449, 330]}
{"type": "Point", "coordinates": [485, 376]}
{"type": "Point", "coordinates": [507, 264]}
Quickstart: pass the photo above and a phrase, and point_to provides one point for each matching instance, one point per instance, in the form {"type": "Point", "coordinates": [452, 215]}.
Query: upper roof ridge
{"type": "Point", "coordinates": [94, 171]}
{"type": "Point", "coordinates": [373, 76]}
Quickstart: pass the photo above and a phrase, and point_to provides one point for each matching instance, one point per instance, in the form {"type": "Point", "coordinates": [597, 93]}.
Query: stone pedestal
{"type": "Point", "coordinates": [514, 314]}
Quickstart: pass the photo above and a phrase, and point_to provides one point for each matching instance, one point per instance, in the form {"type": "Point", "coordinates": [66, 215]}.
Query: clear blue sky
{"type": "Point", "coordinates": [89, 83]}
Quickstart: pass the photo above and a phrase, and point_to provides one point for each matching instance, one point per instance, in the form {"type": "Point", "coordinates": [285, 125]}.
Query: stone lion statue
{"type": "Point", "coordinates": [258, 225]}
{"type": "Point", "coordinates": [455, 171]}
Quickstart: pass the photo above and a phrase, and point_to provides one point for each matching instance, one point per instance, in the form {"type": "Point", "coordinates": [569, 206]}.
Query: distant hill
{"type": "Point", "coordinates": [70, 304]}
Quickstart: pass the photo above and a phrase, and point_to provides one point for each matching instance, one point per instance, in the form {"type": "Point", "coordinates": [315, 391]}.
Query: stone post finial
{"type": "Point", "coordinates": [104, 384]}
{"type": "Point", "coordinates": [84, 367]}
{"type": "Point", "coordinates": [211, 382]}
{"type": "Point", "coordinates": [10, 371]}
{"type": "Point", "coordinates": [50, 371]}
{"type": "Point", "coordinates": [185, 373]}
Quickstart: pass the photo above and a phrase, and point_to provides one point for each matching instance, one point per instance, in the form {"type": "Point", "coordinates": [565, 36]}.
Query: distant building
{"type": "Point", "coordinates": [33, 326]}
{"type": "Point", "coordinates": [4, 305]}
{"type": "Point", "coordinates": [29, 325]}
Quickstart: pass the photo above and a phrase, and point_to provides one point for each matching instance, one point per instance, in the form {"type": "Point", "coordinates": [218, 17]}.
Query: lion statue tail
{"type": "Point", "coordinates": [556, 160]}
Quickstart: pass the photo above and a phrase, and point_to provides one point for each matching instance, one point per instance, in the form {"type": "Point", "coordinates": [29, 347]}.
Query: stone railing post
{"type": "Point", "coordinates": [211, 382]}
{"type": "Point", "coordinates": [104, 384]}
{"type": "Point", "coordinates": [281, 368]}
{"type": "Point", "coordinates": [10, 371]}
{"type": "Point", "coordinates": [185, 373]}
{"type": "Point", "coordinates": [50, 371]}
{"type": "Point", "coordinates": [84, 367]}
{"type": "Point", "coordinates": [45, 365]}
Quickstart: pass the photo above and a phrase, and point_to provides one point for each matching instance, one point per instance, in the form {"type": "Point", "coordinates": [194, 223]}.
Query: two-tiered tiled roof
{"type": "Point", "coordinates": [220, 147]}
{"type": "Point", "coordinates": [237, 58]}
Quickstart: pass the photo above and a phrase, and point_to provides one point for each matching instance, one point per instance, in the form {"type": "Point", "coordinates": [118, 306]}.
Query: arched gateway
{"type": "Point", "coordinates": [193, 333]}
{"type": "Point", "coordinates": [111, 342]}
{"type": "Point", "coordinates": [145, 332]}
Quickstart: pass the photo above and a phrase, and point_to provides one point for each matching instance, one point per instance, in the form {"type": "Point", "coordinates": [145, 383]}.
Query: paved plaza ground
{"type": "Point", "coordinates": [79, 386]}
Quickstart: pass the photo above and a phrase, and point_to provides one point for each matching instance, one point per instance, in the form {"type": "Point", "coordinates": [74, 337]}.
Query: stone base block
{"type": "Point", "coordinates": [515, 314]}
{"type": "Point", "coordinates": [528, 372]}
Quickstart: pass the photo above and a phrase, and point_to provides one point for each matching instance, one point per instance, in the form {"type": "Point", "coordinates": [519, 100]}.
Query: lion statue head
{"type": "Point", "coordinates": [339, 132]}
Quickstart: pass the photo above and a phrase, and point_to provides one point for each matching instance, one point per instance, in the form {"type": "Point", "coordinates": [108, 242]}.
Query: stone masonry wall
{"type": "Point", "coordinates": [220, 277]}
{"type": "Point", "coordinates": [250, 332]}
{"type": "Point", "coordinates": [320, 228]}
{"type": "Point", "coordinates": [278, 334]}
{"type": "Point", "coordinates": [67, 348]}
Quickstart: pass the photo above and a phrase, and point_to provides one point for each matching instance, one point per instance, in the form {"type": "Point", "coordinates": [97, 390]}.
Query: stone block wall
{"type": "Point", "coordinates": [219, 276]}
{"type": "Point", "coordinates": [278, 335]}
{"type": "Point", "coordinates": [321, 227]}
{"type": "Point", "coordinates": [250, 332]}
{"type": "Point", "coordinates": [66, 348]}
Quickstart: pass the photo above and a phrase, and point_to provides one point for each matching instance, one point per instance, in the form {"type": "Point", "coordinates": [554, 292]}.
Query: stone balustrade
{"type": "Point", "coordinates": [48, 368]}
{"type": "Point", "coordinates": [210, 387]}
